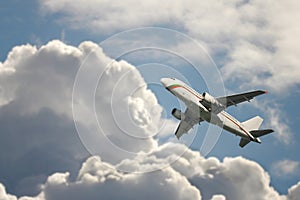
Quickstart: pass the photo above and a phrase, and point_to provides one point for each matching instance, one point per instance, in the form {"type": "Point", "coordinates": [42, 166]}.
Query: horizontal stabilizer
{"type": "Point", "coordinates": [244, 142]}
{"type": "Point", "coordinates": [259, 133]}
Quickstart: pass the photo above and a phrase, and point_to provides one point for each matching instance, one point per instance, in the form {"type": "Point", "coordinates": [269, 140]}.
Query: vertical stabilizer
{"type": "Point", "coordinates": [253, 123]}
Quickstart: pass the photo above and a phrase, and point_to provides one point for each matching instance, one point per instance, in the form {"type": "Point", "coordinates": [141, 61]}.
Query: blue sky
{"type": "Point", "coordinates": [38, 22]}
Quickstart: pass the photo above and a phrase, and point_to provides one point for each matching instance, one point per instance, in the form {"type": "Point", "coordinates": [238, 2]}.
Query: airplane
{"type": "Point", "coordinates": [204, 107]}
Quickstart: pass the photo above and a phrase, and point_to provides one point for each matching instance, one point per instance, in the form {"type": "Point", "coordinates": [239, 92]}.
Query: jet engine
{"type": "Point", "coordinates": [177, 113]}
{"type": "Point", "coordinates": [209, 102]}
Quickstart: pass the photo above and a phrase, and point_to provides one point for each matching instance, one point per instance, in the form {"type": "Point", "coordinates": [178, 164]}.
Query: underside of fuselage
{"type": "Point", "coordinates": [222, 119]}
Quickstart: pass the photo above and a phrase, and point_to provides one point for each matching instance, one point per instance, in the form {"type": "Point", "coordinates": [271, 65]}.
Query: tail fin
{"type": "Point", "coordinates": [253, 123]}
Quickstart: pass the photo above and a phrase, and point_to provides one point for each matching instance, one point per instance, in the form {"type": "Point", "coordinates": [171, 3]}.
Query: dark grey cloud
{"type": "Point", "coordinates": [38, 136]}
{"type": "Point", "coordinates": [294, 192]}
{"type": "Point", "coordinates": [35, 146]}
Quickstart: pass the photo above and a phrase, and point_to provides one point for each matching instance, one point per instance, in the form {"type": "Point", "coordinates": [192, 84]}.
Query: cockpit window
{"type": "Point", "coordinates": [173, 79]}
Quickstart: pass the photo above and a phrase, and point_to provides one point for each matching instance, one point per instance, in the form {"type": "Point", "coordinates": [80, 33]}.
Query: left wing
{"type": "Point", "coordinates": [239, 98]}
{"type": "Point", "coordinates": [186, 123]}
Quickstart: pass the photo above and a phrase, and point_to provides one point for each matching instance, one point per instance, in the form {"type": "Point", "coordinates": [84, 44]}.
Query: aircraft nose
{"type": "Point", "coordinates": [164, 81]}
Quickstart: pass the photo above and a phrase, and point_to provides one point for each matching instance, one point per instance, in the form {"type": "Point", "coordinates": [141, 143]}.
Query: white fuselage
{"type": "Point", "coordinates": [192, 100]}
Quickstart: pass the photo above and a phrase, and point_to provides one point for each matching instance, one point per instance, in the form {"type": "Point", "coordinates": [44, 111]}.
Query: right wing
{"type": "Point", "coordinates": [239, 98]}
{"type": "Point", "coordinates": [186, 123]}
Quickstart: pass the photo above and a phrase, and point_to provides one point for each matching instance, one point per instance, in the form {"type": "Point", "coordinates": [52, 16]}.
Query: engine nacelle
{"type": "Point", "coordinates": [210, 103]}
{"type": "Point", "coordinates": [177, 113]}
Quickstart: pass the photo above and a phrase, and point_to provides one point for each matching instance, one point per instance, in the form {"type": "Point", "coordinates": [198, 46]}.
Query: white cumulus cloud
{"type": "Point", "coordinates": [4, 195]}
{"type": "Point", "coordinates": [37, 119]}
{"type": "Point", "coordinates": [276, 118]}
{"type": "Point", "coordinates": [190, 177]}
{"type": "Point", "coordinates": [259, 39]}
{"type": "Point", "coordinates": [286, 167]}
{"type": "Point", "coordinates": [218, 197]}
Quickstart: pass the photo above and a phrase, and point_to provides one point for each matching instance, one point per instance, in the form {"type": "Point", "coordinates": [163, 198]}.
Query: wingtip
{"type": "Point", "coordinates": [266, 91]}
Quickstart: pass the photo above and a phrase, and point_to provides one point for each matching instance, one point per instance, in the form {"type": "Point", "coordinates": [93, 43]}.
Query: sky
{"type": "Point", "coordinates": [83, 114]}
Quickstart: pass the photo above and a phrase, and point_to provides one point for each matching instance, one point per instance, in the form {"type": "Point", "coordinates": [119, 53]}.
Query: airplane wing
{"type": "Point", "coordinates": [186, 123]}
{"type": "Point", "coordinates": [239, 98]}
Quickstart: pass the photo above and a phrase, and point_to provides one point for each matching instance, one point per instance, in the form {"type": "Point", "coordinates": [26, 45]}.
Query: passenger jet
{"type": "Point", "coordinates": [204, 107]}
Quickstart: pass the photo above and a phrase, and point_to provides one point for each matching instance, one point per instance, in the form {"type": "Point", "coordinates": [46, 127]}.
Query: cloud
{"type": "Point", "coordinates": [4, 195]}
{"type": "Point", "coordinates": [38, 134]}
{"type": "Point", "coordinates": [253, 42]}
{"type": "Point", "coordinates": [190, 177]}
{"type": "Point", "coordinates": [126, 113]}
{"type": "Point", "coordinates": [285, 167]}
{"type": "Point", "coordinates": [253, 37]}
{"type": "Point", "coordinates": [283, 132]}
{"type": "Point", "coordinates": [112, 13]}
{"type": "Point", "coordinates": [42, 144]}
{"type": "Point", "coordinates": [37, 130]}
{"type": "Point", "coordinates": [231, 178]}
{"type": "Point", "coordinates": [258, 42]}
{"type": "Point", "coordinates": [276, 119]}
{"type": "Point", "coordinates": [218, 197]}
{"type": "Point", "coordinates": [36, 112]}
{"type": "Point", "coordinates": [40, 73]}
{"type": "Point", "coordinates": [97, 178]}
{"type": "Point", "coordinates": [294, 192]}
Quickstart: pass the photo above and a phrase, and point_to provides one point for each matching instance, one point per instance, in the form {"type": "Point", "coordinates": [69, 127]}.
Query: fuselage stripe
{"type": "Point", "coordinates": [171, 87]}
{"type": "Point", "coordinates": [236, 124]}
